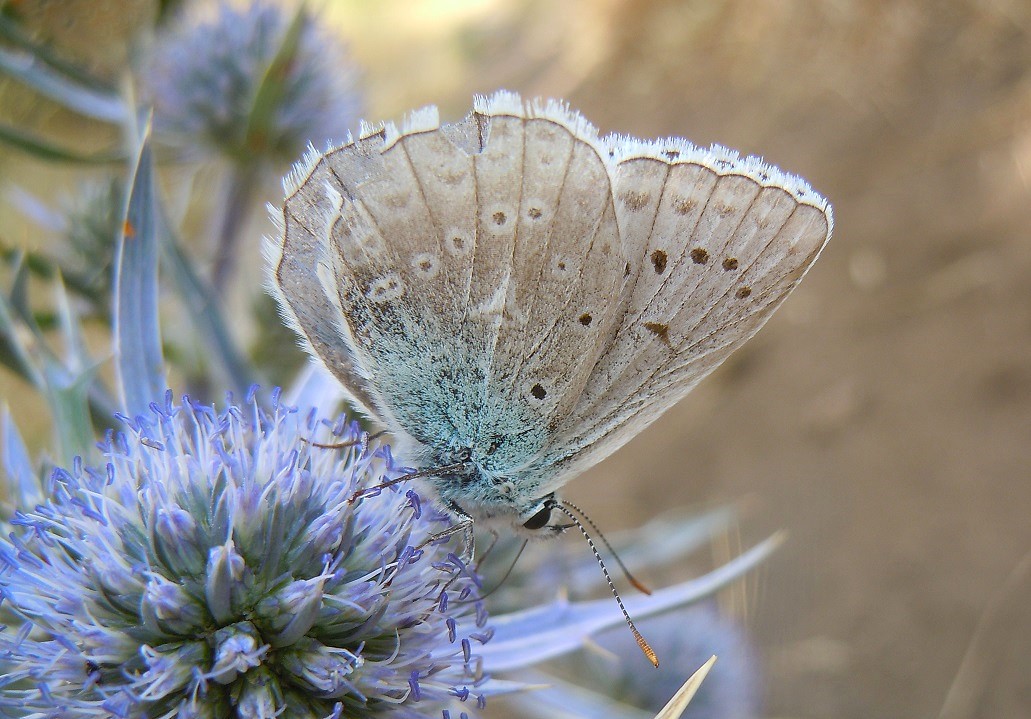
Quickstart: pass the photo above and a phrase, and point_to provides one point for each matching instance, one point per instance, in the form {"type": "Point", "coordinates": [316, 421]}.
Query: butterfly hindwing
{"type": "Point", "coordinates": [294, 259]}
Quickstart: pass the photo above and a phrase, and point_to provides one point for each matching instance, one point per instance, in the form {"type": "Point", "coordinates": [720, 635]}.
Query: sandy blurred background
{"type": "Point", "coordinates": [883, 417]}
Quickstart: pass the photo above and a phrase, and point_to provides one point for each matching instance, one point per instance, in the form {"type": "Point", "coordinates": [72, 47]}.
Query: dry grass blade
{"type": "Point", "coordinates": [683, 697]}
{"type": "Point", "coordinates": [993, 633]}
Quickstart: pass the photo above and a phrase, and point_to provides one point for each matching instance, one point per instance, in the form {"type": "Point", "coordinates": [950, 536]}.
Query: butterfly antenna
{"type": "Point", "coordinates": [594, 527]}
{"type": "Point", "coordinates": [641, 642]}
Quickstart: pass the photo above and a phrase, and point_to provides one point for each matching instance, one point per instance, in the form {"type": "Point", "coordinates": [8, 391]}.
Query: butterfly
{"type": "Point", "coordinates": [514, 297]}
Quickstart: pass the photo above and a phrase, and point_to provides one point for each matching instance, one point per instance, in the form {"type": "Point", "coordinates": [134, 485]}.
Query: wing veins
{"type": "Point", "coordinates": [726, 244]}
{"type": "Point", "coordinates": [647, 241]}
{"type": "Point", "coordinates": [508, 276]}
{"type": "Point", "coordinates": [665, 280]}
{"type": "Point", "coordinates": [476, 227]}
{"type": "Point", "coordinates": [665, 367]}
{"type": "Point", "coordinates": [547, 245]}
{"type": "Point", "coordinates": [568, 302]}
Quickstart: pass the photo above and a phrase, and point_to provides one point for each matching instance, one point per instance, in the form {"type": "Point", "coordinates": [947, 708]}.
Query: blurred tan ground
{"type": "Point", "coordinates": [883, 416]}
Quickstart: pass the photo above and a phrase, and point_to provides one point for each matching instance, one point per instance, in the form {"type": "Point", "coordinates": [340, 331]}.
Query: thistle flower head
{"type": "Point", "coordinates": [205, 77]}
{"type": "Point", "coordinates": [212, 566]}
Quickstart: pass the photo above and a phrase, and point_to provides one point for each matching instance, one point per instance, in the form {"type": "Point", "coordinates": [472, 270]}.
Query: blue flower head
{"type": "Point", "coordinates": [205, 77]}
{"type": "Point", "coordinates": [213, 565]}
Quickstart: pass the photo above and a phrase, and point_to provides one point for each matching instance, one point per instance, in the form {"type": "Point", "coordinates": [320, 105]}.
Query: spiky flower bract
{"type": "Point", "coordinates": [205, 77]}
{"type": "Point", "coordinates": [213, 565]}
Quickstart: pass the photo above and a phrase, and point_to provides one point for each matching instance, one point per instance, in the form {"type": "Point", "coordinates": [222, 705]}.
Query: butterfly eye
{"type": "Point", "coordinates": [539, 519]}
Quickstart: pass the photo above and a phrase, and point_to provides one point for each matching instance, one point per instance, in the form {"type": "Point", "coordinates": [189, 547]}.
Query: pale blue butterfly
{"type": "Point", "coordinates": [514, 298]}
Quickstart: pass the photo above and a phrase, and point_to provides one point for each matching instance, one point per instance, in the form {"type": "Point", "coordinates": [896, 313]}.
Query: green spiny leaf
{"type": "Point", "coordinates": [139, 361]}
{"type": "Point", "coordinates": [273, 88]}
{"type": "Point", "coordinates": [31, 70]}
{"type": "Point", "coordinates": [48, 151]}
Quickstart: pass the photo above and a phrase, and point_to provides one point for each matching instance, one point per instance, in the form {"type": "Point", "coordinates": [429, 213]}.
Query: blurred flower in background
{"type": "Point", "coordinates": [87, 221]}
{"type": "Point", "coordinates": [241, 83]}
{"type": "Point", "coordinates": [92, 218]}
{"type": "Point", "coordinates": [732, 690]}
{"type": "Point", "coordinates": [606, 678]}
{"type": "Point", "coordinates": [255, 85]}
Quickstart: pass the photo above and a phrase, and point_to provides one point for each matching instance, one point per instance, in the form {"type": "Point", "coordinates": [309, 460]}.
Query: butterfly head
{"type": "Point", "coordinates": [538, 521]}
{"type": "Point", "coordinates": [473, 491]}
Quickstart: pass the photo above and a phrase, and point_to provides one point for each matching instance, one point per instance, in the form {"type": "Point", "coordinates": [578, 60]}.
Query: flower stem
{"type": "Point", "coordinates": [238, 193]}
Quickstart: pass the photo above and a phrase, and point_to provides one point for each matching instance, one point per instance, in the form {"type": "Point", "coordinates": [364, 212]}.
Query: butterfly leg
{"type": "Point", "coordinates": [494, 537]}
{"type": "Point", "coordinates": [432, 472]}
{"type": "Point", "coordinates": [363, 441]}
{"type": "Point", "coordinates": [463, 524]}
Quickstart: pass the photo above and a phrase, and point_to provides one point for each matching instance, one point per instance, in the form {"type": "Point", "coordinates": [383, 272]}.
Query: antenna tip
{"type": "Point", "coordinates": [638, 586]}
{"type": "Point", "coordinates": [647, 649]}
